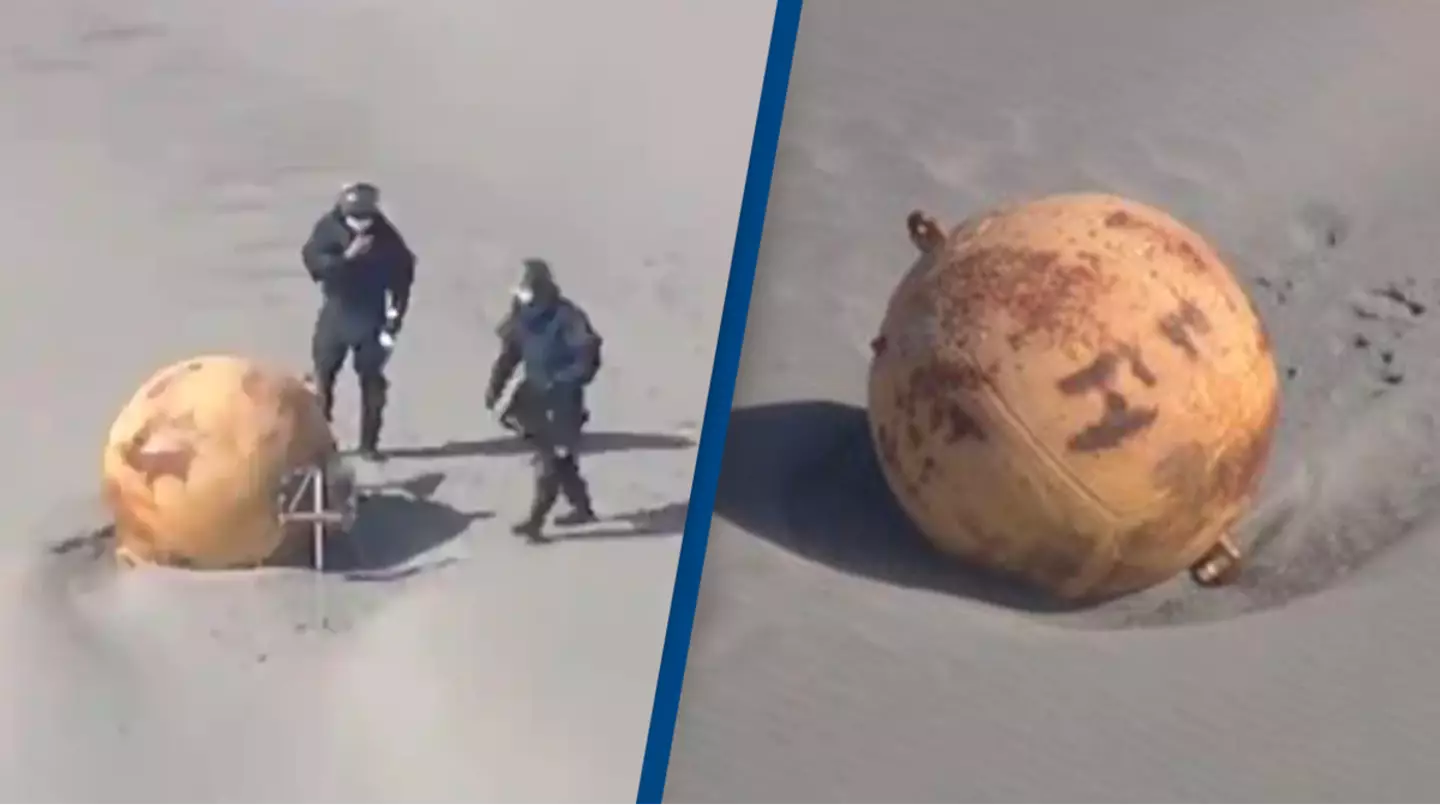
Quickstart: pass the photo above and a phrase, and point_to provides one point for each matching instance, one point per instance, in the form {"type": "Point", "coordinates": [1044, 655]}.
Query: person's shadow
{"type": "Point", "coordinates": [804, 476]}
{"type": "Point", "coordinates": [660, 521]}
{"type": "Point", "coordinates": [591, 442]}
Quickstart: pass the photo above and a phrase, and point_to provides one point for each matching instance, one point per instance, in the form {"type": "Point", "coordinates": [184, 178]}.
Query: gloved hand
{"type": "Point", "coordinates": [393, 321]}
{"type": "Point", "coordinates": [358, 246]}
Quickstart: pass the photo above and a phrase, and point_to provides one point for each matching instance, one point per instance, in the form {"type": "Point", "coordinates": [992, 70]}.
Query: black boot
{"type": "Point", "coordinates": [547, 491]}
{"type": "Point", "coordinates": [370, 440]}
{"type": "Point", "coordinates": [532, 530]}
{"type": "Point", "coordinates": [572, 484]}
{"type": "Point", "coordinates": [372, 409]}
{"type": "Point", "coordinates": [577, 516]}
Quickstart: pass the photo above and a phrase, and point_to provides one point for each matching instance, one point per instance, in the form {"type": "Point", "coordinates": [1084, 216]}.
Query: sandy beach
{"type": "Point", "coordinates": [164, 160]}
{"type": "Point", "coordinates": [835, 659]}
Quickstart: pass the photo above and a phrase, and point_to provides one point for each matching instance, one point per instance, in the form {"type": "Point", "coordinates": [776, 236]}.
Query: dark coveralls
{"type": "Point", "coordinates": [559, 352]}
{"type": "Point", "coordinates": [354, 311]}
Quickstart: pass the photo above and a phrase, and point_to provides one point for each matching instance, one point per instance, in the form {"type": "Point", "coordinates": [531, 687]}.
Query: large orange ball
{"type": "Point", "coordinates": [196, 460]}
{"type": "Point", "coordinates": [1074, 391]}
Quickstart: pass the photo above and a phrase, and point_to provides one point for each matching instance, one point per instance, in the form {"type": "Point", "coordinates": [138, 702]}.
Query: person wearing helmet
{"type": "Point", "coordinates": [365, 271]}
{"type": "Point", "coordinates": [551, 339]}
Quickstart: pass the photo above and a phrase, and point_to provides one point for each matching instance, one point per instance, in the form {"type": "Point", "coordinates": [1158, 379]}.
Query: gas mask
{"type": "Point", "coordinates": [359, 204]}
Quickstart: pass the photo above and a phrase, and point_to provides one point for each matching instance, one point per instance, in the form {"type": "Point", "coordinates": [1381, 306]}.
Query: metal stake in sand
{"type": "Point", "coordinates": [320, 519]}
{"type": "Point", "coordinates": [317, 538]}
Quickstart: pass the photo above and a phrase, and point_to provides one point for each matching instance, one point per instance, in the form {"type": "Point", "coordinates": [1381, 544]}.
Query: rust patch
{"type": "Point", "coordinates": [1178, 326]}
{"type": "Point", "coordinates": [1120, 219]}
{"type": "Point", "coordinates": [1173, 243]}
{"type": "Point", "coordinates": [1175, 332]}
{"type": "Point", "coordinates": [937, 385]}
{"type": "Point", "coordinates": [903, 402]}
{"type": "Point", "coordinates": [194, 365]}
{"type": "Point", "coordinates": [938, 380]}
{"type": "Point", "coordinates": [1040, 293]}
{"type": "Point", "coordinates": [962, 425]}
{"type": "Point", "coordinates": [174, 462]}
{"type": "Point", "coordinates": [1119, 422]}
{"type": "Point", "coordinates": [1194, 316]}
{"type": "Point", "coordinates": [1097, 375]}
{"type": "Point", "coordinates": [1137, 364]}
{"type": "Point", "coordinates": [1101, 372]}
{"type": "Point", "coordinates": [927, 471]}
{"type": "Point", "coordinates": [1192, 257]}
{"type": "Point", "coordinates": [913, 435]}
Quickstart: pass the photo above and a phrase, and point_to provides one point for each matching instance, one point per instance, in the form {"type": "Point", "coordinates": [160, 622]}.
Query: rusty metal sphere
{"type": "Point", "coordinates": [1074, 391]}
{"type": "Point", "coordinates": [196, 459]}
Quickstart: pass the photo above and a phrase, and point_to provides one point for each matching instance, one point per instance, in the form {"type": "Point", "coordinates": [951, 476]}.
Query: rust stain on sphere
{"type": "Point", "coordinates": [1075, 391]}
{"type": "Point", "coordinates": [194, 462]}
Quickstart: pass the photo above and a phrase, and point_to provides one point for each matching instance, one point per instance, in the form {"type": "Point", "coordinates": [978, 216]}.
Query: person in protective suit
{"type": "Point", "coordinates": [365, 271]}
{"type": "Point", "coordinates": [508, 417]}
{"type": "Point", "coordinates": [551, 338]}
